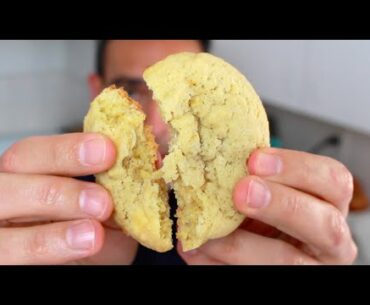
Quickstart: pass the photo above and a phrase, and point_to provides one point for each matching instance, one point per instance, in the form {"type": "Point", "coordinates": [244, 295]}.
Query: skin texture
{"type": "Point", "coordinates": [297, 202]}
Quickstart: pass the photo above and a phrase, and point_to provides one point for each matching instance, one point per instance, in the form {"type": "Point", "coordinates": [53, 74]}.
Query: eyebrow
{"type": "Point", "coordinates": [127, 79]}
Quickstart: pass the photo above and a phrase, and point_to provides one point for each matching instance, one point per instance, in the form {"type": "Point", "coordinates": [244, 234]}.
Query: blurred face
{"type": "Point", "coordinates": [125, 62]}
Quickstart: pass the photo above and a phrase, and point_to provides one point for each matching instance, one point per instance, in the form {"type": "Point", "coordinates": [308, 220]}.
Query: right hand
{"type": "Point", "coordinates": [36, 187]}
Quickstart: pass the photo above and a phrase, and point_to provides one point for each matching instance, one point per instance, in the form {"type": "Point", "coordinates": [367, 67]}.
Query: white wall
{"type": "Point", "coordinates": [24, 56]}
{"type": "Point", "coordinates": [325, 78]}
{"type": "Point", "coordinates": [43, 85]}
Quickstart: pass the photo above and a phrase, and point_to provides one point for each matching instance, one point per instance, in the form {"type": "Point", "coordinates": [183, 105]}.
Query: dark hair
{"type": "Point", "coordinates": [102, 46]}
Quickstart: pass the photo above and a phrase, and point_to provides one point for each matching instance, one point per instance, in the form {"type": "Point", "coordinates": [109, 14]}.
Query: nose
{"type": "Point", "coordinates": [154, 119]}
{"type": "Point", "coordinates": [159, 127]}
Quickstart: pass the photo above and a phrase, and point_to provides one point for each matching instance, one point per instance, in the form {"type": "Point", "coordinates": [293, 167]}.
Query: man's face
{"type": "Point", "coordinates": [125, 62]}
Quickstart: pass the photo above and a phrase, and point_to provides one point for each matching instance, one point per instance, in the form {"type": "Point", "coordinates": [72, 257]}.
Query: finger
{"type": "Point", "coordinates": [321, 176]}
{"type": "Point", "coordinates": [195, 257]}
{"type": "Point", "coordinates": [118, 249]}
{"type": "Point", "coordinates": [318, 224]}
{"type": "Point", "coordinates": [245, 248]}
{"type": "Point", "coordinates": [74, 154]}
{"type": "Point", "coordinates": [36, 197]}
{"type": "Point", "coordinates": [56, 243]}
{"type": "Point", "coordinates": [260, 228]}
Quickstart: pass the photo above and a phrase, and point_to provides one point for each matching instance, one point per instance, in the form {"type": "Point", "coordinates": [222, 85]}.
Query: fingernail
{"type": "Point", "coordinates": [268, 165]}
{"type": "Point", "coordinates": [92, 152]}
{"type": "Point", "coordinates": [93, 202]}
{"type": "Point", "coordinates": [81, 236]}
{"type": "Point", "coordinates": [258, 195]}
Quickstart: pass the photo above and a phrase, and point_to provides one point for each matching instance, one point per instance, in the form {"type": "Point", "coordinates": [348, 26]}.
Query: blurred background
{"type": "Point", "coordinates": [316, 93]}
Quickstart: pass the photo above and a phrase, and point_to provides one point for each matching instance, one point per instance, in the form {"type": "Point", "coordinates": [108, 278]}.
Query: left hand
{"type": "Point", "coordinates": [296, 204]}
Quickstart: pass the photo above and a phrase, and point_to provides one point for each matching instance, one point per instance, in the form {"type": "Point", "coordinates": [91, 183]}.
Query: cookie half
{"type": "Point", "coordinates": [140, 197]}
{"type": "Point", "coordinates": [217, 120]}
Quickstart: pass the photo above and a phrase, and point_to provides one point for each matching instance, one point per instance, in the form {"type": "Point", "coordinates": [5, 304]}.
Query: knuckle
{"type": "Point", "coordinates": [337, 231]}
{"type": "Point", "coordinates": [353, 252]}
{"type": "Point", "coordinates": [37, 244]}
{"type": "Point", "coordinates": [348, 187]}
{"type": "Point", "coordinates": [348, 254]}
{"type": "Point", "coordinates": [62, 153]}
{"type": "Point", "coordinates": [343, 180]}
{"type": "Point", "coordinates": [339, 245]}
{"type": "Point", "coordinates": [7, 160]}
{"type": "Point", "coordinates": [292, 206]}
{"type": "Point", "coordinates": [50, 193]}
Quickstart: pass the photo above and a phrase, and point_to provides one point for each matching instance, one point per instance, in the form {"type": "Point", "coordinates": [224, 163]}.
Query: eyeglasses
{"type": "Point", "coordinates": [135, 87]}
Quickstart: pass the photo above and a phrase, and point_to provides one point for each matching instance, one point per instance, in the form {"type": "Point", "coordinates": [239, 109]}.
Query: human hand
{"type": "Point", "coordinates": [296, 204]}
{"type": "Point", "coordinates": [46, 216]}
